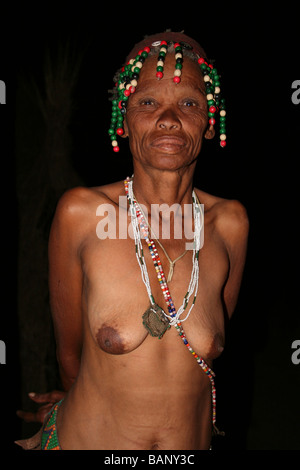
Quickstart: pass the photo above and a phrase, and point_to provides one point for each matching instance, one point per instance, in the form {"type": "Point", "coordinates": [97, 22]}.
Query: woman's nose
{"type": "Point", "coordinates": [168, 120]}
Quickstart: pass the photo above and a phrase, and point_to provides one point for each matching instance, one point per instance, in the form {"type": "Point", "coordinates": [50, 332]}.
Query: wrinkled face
{"type": "Point", "coordinates": [166, 122]}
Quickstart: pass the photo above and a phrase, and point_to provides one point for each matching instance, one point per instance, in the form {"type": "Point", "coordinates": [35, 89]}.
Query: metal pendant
{"type": "Point", "coordinates": [155, 321]}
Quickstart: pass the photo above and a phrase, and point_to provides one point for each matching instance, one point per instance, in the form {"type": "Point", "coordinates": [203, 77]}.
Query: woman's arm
{"type": "Point", "coordinates": [65, 283]}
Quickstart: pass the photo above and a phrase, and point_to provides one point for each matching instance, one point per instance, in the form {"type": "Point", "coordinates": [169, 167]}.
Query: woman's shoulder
{"type": "Point", "coordinates": [229, 215]}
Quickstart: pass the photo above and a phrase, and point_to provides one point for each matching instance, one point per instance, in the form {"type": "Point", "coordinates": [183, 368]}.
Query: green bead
{"type": "Point", "coordinates": [210, 102]}
{"type": "Point", "coordinates": [211, 114]}
{"type": "Point", "coordinates": [144, 54]}
{"type": "Point", "coordinates": [137, 69]}
{"type": "Point", "coordinates": [111, 131]}
{"type": "Point", "coordinates": [178, 66]}
{"type": "Point", "coordinates": [159, 68]}
{"type": "Point", "coordinates": [222, 118]}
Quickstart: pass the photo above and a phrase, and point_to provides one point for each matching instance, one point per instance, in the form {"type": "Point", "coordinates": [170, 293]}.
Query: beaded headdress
{"type": "Point", "coordinates": [127, 79]}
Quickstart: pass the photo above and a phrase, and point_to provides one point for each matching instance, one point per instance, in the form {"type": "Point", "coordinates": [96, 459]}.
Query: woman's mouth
{"type": "Point", "coordinates": [168, 143]}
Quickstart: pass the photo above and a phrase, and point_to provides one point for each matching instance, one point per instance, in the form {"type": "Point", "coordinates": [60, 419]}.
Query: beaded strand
{"type": "Point", "coordinates": [125, 86]}
{"type": "Point", "coordinates": [140, 227]}
{"type": "Point", "coordinates": [193, 285]}
{"type": "Point", "coordinates": [178, 65]}
{"type": "Point", "coordinates": [161, 59]}
{"type": "Point", "coordinates": [213, 95]}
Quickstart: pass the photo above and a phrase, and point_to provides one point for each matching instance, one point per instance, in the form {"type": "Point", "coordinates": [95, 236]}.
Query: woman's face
{"type": "Point", "coordinates": [166, 122]}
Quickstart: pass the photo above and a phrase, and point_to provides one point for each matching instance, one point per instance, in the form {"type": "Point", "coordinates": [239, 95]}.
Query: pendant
{"type": "Point", "coordinates": [155, 321]}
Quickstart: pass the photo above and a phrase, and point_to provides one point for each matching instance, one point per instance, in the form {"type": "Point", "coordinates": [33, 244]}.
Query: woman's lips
{"type": "Point", "coordinates": [168, 143]}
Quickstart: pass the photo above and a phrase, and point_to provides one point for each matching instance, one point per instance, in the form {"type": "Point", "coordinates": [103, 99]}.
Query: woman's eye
{"type": "Point", "coordinates": [147, 102]}
{"type": "Point", "coordinates": [189, 103]}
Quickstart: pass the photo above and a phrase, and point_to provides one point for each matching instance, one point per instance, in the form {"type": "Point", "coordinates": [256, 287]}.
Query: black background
{"type": "Point", "coordinates": [256, 51]}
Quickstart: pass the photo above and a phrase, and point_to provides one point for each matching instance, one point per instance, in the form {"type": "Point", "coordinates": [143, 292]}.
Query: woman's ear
{"type": "Point", "coordinates": [210, 132]}
{"type": "Point", "coordinates": [125, 127]}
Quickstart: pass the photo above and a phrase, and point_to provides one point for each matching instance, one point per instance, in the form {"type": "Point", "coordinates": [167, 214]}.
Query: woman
{"type": "Point", "coordinates": [136, 355]}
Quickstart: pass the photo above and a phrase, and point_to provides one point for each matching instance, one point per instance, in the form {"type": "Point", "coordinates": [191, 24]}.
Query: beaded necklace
{"type": "Point", "coordinates": [141, 230]}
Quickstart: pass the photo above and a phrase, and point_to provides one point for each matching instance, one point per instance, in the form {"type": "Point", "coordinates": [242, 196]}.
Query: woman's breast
{"type": "Point", "coordinates": [118, 337]}
{"type": "Point", "coordinates": [116, 299]}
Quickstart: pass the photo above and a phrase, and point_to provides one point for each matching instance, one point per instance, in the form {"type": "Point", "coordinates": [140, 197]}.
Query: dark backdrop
{"type": "Point", "coordinates": [57, 67]}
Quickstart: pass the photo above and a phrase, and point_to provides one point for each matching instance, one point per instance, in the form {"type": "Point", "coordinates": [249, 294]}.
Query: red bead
{"type": "Point", "coordinates": [176, 80]}
{"type": "Point", "coordinates": [159, 75]}
{"type": "Point", "coordinates": [147, 49]}
{"type": "Point", "coordinates": [163, 43]}
{"type": "Point", "coordinates": [119, 104]}
{"type": "Point", "coordinates": [200, 60]}
{"type": "Point", "coordinates": [132, 89]}
{"type": "Point", "coordinates": [120, 131]}
{"type": "Point", "coordinates": [127, 93]}
{"type": "Point", "coordinates": [223, 143]}
{"type": "Point", "coordinates": [116, 148]}
{"type": "Point", "coordinates": [140, 52]}
{"type": "Point", "coordinates": [176, 45]}
{"type": "Point", "coordinates": [212, 121]}
{"type": "Point", "coordinates": [212, 109]}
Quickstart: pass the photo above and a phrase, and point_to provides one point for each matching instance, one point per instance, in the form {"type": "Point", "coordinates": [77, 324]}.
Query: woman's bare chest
{"type": "Point", "coordinates": [116, 297]}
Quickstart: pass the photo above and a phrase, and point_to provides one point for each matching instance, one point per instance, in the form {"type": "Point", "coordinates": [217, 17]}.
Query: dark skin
{"type": "Point", "coordinates": [126, 389]}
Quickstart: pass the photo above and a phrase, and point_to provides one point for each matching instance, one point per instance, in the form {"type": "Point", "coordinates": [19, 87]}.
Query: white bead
{"type": "Point", "coordinates": [133, 82]}
{"type": "Point", "coordinates": [163, 49]}
{"type": "Point", "coordinates": [223, 137]}
{"type": "Point", "coordinates": [114, 143]}
{"type": "Point", "coordinates": [209, 97]}
{"type": "Point", "coordinates": [160, 63]}
{"type": "Point", "coordinates": [177, 73]}
{"type": "Point", "coordinates": [131, 61]}
{"type": "Point", "coordinates": [223, 113]}
{"type": "Point", "coordinates": [178, 55]}
{"type": "Point", "coordinates": [206, 78]}
{"type": "Point", "coordinates": [139, 65]}
{"type": "Point", "coordinates": [217, 90]}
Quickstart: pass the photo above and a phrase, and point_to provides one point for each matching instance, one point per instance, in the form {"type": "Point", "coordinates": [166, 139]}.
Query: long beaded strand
{"type": "Point", "coordinates": [193, 285]}
{"type": "Point", "coordinates": [137, 216]}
